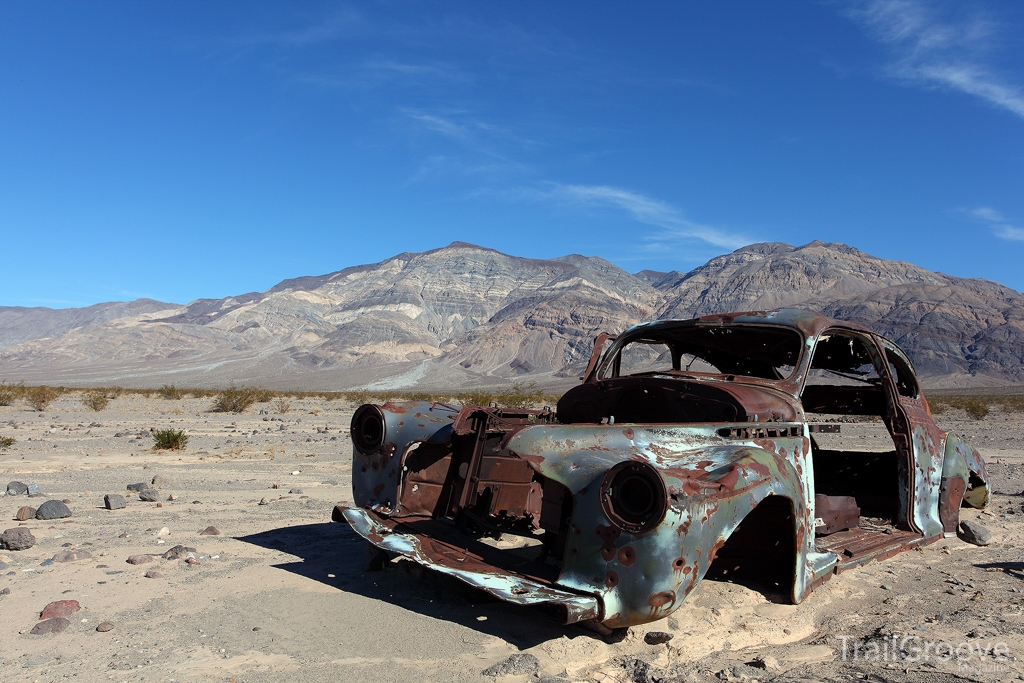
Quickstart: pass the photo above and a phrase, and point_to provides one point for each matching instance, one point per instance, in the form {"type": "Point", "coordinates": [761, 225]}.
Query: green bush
{"type": "Point", "coordinates": [9, 394]}
{"type": "Point", "coordinates": [6, 442]}
{"type": "Point", "coordinates": [170, 440]}
{"type": "Point", "coordinates": [170, 392]}
{"type": "Point", "coordinates": [262, 395]}
{"type": "Point", "coordinates": [96, 400]}
{"type": "Point", "coordinates": [234, 400]}
{"type": "Point", "coordinates": [41, 397]}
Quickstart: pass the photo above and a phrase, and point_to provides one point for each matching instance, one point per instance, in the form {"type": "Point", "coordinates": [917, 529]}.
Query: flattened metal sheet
{"type": "Point", "coordinates": [500, 584]}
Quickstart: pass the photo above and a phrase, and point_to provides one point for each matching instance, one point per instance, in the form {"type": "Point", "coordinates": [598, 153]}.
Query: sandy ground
{"type": "Point", "coordinates": [282, 593]}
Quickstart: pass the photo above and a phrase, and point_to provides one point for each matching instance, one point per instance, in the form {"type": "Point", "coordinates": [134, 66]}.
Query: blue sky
{"type": "Point", "coordinates": [186, 150]}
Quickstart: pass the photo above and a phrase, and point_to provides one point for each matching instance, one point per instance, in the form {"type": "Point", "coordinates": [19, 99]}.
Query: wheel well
{"type": "Point", "coordinates": [761, 552]}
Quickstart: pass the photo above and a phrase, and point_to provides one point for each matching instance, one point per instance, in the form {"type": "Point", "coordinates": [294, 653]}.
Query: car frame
{"type": "Point", "coordinates": [616, 505]}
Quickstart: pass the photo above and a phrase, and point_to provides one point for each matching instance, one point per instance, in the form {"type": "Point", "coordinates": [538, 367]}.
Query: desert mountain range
{"type": "Point", "coordinates": [464, 315]}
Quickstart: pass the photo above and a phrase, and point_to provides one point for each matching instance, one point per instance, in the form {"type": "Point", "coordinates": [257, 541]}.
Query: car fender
{"type": "Point", "coordinates": [964, 480]}
{"type": "Point", "coordinates": [713, 483]}
{"type": "Point", "coordinates": [376, 476]}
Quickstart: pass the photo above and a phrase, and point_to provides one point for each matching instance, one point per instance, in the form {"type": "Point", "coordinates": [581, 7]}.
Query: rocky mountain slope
{"type": "Point", "coordinates": [464, 315]}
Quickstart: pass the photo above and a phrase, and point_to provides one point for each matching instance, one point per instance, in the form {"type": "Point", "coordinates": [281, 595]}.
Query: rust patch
{"type": "Point", "coordinates": [611, 579]}
{"type": "Point", "coordinates": [661, 599]}
{"type": "Point", "coordinates": [627, 556]}
{"type": "Point", "coordinates": [628, 433]}
{"type": "Point", "coordinates": [679, 564]}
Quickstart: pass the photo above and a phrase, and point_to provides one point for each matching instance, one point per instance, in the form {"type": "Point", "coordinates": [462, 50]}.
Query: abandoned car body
{"type": "Point", "coordinates": [686, 452]}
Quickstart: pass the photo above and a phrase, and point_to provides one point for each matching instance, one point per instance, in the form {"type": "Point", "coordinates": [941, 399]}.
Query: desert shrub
{"type": "Point", "coordinates": [976, 408]}
{"type": "Point", "coordinates": [113, 392]}
{"type": "Point", "coordinates": [283, 405]}
{"type": "Point", "coordinates": [9, 394]}
{"type": "Point", "coordinates": [1012, 403]}
{"type": "Point", "coordinates": [6, 442]}
{"type": "Point", "coordinates": [170, 392]}
{"type": "Point", "coordinates": [234, 400]}
{"type": "Point", "coordinates": [521, 395]}
{"type": "Point", "coordinates": [95, 400]}
{"type": "Point", "coordinates": [478, 397]}
{"type": "Point", "coordinates": [170, 439]}
{"type": "Point", "coordinates": [358, 397]}
{"type": "Point", "coordinates": [41, 397]}
{"type": "Point", "coordinates": [261, 395]}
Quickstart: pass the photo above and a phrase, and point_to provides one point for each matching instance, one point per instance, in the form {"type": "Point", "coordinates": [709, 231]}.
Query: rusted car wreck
{"type": "Point", "coordinates": [688, 451]}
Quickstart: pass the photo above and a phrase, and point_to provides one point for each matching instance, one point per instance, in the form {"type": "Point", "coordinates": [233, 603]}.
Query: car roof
{"type": "Point", "coordinates": [810, 324]}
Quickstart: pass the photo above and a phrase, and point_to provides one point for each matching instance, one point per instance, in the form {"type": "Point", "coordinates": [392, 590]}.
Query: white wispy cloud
{"type": "Point", "coordinates": [1001, 227]}
{"type": "Point", "coordinates": [674, 227]}
{"type": "Point", "coordinates": [935, 53]}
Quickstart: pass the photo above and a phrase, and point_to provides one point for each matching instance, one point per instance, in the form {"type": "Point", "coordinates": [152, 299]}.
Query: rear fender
{"type": "Point", "coordinates": [964, 480]}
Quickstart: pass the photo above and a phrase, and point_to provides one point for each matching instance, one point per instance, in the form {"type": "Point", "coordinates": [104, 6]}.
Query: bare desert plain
{"type": "Point", "coordinates": [282, 593]}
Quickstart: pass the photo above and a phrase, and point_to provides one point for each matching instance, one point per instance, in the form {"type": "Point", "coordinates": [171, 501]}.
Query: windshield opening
{"type": "Point", "coordinates": [748, 351]}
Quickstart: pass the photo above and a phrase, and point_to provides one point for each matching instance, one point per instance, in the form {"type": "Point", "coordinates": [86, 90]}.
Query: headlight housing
{"type": "Point", "coordinates": [368, 429]}
{"type": "Point", "coordinates": [633, 496]}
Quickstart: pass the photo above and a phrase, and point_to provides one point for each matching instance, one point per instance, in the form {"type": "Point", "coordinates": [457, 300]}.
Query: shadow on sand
{"type": "Point", "coordinates": [336, 556]}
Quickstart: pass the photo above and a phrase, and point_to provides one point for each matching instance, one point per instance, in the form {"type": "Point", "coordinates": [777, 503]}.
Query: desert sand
{"type": "Point", "coordinates": [282, 594]}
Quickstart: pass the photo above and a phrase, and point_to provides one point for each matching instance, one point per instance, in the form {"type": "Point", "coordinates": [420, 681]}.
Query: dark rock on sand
{"type": "Point", "coordinates": [19, 538]}
{"type": "Point", "coordinates": [53, 509]}
{"type": "Point", "coordinates": [972, 532]}
{"type": "Point", "coordinates": [519, 664]}
{"type": "Point", "coordinates": [114, 501]}
{"type": "Point", "coordinates": [178, 552]}
{"type": "Point", "coordinates": [55, 625]}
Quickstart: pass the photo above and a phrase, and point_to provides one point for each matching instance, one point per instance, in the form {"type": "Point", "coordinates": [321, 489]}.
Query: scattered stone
{"type": "Point", "coordinates": [264, 501]}
{"type": "Point", "coordinates": [72, 555]}
{"type": "Point", "coordinates": [148, 496]}
{"type": "Point", "coordinates": [66, 501]}
{"type": "Point", "coordinates": [25, 512]}
{"type": "Point", "coordinates": [53, 509]}
{"type": "Point", "coordinates": [153, 574]}
{"type": "Point", "coordinates": [114, 501]}
{"type": "Point", "coordinates": [178, 552]}
{"type": "Point", "coordinates": [6, 591]}
{"type": "Point", "coordinates": [55, 625]}
{"type": "Point", "coordinates": [972, 532]}
{"type": "Point", "coordinates": [519, 664]}
{"type": "Point", "coordinates": [295, 491]}
{"type": "Point", "coordinates": [210, 531]}
{"type": "Point", "coordinates": [19, 538]}
{"type": "Point", "coordinates": [172, 497]}
{"type": "Point", "coordinates": [164, 531]}
{"type": "Point", "coordinates": [142, 486]}
{"type": "Point", "coordinates": [139, 559]}
{"type": "Point", "coordinates": [192, 560]}
{"type": "Point", "coordinates": [46, 563]}
{"type": "Point", "coordinates": [105, 626]}
{"type": "Point", "coordinates": [160, 482]}
{"type": "Point", "coordinates": [638, 671]}
{"type": "Point", "coordinates": [886, 587]}
{"type": "Point", "coordinates": [33, 491]}
{"type": "Point", "coordinates": [657, 637]}
{"type": "Point", "coordinates": [60, 608]}
{"type": "Point", "coordinates": [16, 488]}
